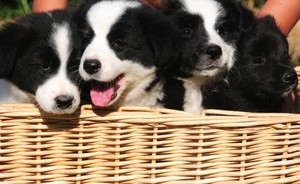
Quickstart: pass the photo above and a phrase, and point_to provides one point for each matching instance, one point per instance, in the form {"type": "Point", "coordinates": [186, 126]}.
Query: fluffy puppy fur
{"type": "Point", "coordinates": [262, 76]}
{"type": "Point", "coordinates": [210, 29]}
{"type": "Point", "coordinates": [39, 56]}
{"type": "Point", "coordinates": [127, 46]}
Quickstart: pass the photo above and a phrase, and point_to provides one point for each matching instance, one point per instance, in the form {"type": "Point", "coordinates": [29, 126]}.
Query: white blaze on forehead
{"type": "Point", "coordinates": [209, 10]}
{"type": "Point", "coordinates": [104, 14]}
{"type": "Point", "coordinates": [61, 43]}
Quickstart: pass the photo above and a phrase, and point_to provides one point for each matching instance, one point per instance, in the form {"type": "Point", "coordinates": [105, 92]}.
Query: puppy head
{"type": "Point", "coordinates": [39, 53]}
{"type": "Point", "coordinates": [215, 27]}
{"type": "Point", "coordinates": [123, 52]}
{"type": "Point", "coordinates": [263, 62]}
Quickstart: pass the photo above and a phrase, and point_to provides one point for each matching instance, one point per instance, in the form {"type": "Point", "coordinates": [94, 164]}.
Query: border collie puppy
{"type": "Point", "coordinates": [39, 57]}
{"type": "Point", "coordinates": [210, 29]}
{"type": "Point", "coordinates": [127, 47]}
{"type": "Point", "coordinates": [262, 76]}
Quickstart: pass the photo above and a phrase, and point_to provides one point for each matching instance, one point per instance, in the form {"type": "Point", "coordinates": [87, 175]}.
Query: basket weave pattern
{"type": "Point", "coordinates": [148, 145]}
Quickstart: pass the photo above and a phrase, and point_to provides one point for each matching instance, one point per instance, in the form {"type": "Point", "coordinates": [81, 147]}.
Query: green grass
{"type": "Point", "coordinates": [259, 3]}
{"type": "Point", "coordinates": [298, 61]}
{"type": "Point", "coordinates": [8, 13]}
{"type": "Point", "coordinates": [23, 7]}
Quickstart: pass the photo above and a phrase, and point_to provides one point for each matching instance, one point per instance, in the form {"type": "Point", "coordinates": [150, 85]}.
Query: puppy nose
{"type": "Point", "coordinates": [290, 78]}
{"type": "Point", "coordinates": [91, 66]}
{"type": "Point", "coordinates": [64, 101]}
{"type": "Point", "coordinates": [214, 52]}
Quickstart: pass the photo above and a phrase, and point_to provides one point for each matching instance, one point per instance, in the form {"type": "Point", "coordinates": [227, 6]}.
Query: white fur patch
{"type": "Point", "coordinates": [193, 96]}
{"type": "Point", "coordinates": [133, 91]}
{"type": "Point", "coordinates": [59, 84]}
{"type": "Point", "coordinates": [61, 42]}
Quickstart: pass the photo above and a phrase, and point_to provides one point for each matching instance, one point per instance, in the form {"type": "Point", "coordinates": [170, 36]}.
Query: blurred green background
{"type": "Point", "coordinates": [10, 9]}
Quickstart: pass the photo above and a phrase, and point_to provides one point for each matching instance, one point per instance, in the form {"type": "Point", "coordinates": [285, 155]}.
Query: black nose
{"type": "Point", "coordinates": [289, 78]}
{"type": "Point", "coordinates": [214, 52]}
{"type": "Point", "coordinates": [64, 101]}
{"type": "Point", "coordinates": [91, 66]}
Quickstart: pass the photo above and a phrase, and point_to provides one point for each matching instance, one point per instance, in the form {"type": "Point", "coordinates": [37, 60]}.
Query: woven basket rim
{"type": "Point", "coordinates": [154, 116]}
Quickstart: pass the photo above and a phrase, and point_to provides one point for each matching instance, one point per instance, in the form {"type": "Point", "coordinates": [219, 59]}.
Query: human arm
{"type": "Point", "coordinates": [285, 12]}
{"type": "Point", "coordinates": [48, 5]}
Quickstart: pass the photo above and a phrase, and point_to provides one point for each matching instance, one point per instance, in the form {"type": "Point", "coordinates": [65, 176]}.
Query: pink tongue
{"type": "Point", "coordinates": [102, 97]}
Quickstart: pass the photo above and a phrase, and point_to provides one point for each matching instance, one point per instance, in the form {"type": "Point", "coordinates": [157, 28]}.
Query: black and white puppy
{"type": "Point", "coordinates": [127, 46]}
{"type": "Point", "coordinates": [39, 56]}
{"type": "Point", "coordinates": [211, 29]}
{"type": "Point", "coordinates": [262, 76]}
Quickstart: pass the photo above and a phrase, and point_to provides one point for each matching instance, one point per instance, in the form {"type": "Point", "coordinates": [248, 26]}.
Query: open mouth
{"type": "Point", "coordinates": [103, 93]}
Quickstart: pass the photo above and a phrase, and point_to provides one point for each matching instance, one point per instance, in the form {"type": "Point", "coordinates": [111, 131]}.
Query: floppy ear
{"type": "Point", "coordinates": [13, 38]}
{"type": "Point", "coordinates": [246, 17]}
{"type": "Point", "coordinates": [166, 50]}
{"type": "Point", "coordinates": [268, 21]}
{"type": "Point", "coordinates": [162, 37]}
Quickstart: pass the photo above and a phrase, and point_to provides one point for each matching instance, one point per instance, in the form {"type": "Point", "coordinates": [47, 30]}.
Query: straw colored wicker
{"type": "Point", "coordinates": [140, 145]}
{"type": "Point", "coordinates": [137, 145]}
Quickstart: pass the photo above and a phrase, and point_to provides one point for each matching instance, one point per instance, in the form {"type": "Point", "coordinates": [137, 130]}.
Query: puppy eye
{"type": "Point", "coordinates": [87, 35]}
{"type": "Point", "coordinates": [187, 32]}
{"type": "Point", "coordinates": [259, 61]}
{"type": "Point", "coordinates": [225, 27]}
{"type": "Point", "coordinates": [119, 45]}
{"type": "Point", "coordinates": [46, 67]}
{"type": "Point", "coordinates": [221, 31]}
{"type": "Point", "coordinates": [87, 38]}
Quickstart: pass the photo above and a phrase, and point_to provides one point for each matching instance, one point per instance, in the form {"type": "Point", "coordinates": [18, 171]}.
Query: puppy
{"type": "Point", "coordinates": [39, 58]}
{"type": "Point", "coordinates": [210, 29]}
{"type": "Point", "coordinates": [262, 76]}
{"type": "Point", "coordinates": [127, 48]}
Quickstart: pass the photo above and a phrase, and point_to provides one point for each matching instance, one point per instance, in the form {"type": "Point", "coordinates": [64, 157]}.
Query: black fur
{"type": "Point", "coordinates": [261, 76]}
{"type": "Point", "coordinates": [173, 94]}
{"type": "Point", "coordinates": [27, 59]}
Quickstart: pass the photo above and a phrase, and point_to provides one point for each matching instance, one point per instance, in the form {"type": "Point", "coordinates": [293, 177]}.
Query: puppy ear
{"type": "Point", "coordinates": [246, 17]}
{"type": "Point", "coordinates": [268, 21]}
{"type": "Point", "coordinates": [166, 53]}
{"type": "Point", "coordinates": [163, 38]}
{"type": "Point", "coordinates": [13, 38]}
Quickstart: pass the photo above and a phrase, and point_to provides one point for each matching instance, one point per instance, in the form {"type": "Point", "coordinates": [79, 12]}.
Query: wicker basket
{"type": "Point", "coordinates": [148, 145]}
{"type": "Point", "coordinates": [136, 145]}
